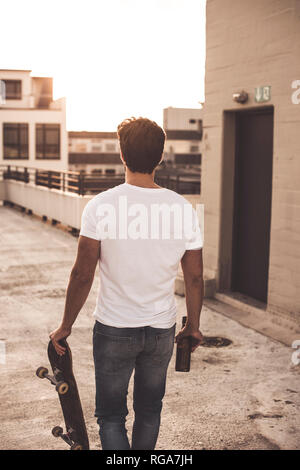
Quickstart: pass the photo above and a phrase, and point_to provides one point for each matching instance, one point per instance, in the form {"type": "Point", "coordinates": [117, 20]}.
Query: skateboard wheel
{"type": "Point", "coordinates": [57, 431]}
{"type": "Point", "coordinates": [62, 388]}
{"type": "Point", "coordinates": [41, 372]}
{"type": "Point", "coordinates": [76, 446]}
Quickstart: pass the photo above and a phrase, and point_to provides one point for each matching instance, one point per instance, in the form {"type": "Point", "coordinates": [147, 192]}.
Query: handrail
{"type": "Point", "coordinates": [83, 183]}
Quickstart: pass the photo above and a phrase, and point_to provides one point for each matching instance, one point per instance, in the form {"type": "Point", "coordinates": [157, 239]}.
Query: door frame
{"type": "Point", "coordinates": [227, 192]}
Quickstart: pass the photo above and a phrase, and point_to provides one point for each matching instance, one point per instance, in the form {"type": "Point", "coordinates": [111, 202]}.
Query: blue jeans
{"type": "Point", "coordinates": [117, 352]}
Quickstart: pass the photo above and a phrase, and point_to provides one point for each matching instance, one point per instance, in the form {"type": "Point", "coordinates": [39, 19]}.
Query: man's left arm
{"type": "Point", "coordinates": [80, 283]}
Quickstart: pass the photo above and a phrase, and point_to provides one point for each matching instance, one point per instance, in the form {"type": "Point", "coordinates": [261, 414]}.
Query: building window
{"type": "Point", "coordinates": [15, 141]}
{"type": "Point", "coordinates": [194, 148]}
{"type": "Point", "coordinates": [80, 148]}
{"type": "Point", "coordinates": [110, 171]}
{"type": "Point", "coordinates": [47, 141]}
{"type": "Point", "coordinates": [13, 89]}
{"type": "Point", "coordinates": [96, 148]}
{"type": "Point", "coordinates": [200, 128]}
{"type": "Point", "coordinates": [110, 147]}
{"type": "Point", "coordinates": [192, 121]}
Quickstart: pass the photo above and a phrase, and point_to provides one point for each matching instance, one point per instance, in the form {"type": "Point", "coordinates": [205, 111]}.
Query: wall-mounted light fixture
{"type": "Point", "coordinates": [241, 97]}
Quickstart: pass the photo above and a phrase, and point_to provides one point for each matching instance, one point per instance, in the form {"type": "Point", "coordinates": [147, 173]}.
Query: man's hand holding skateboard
{"type": "Point", "coordinates": [60, 333]}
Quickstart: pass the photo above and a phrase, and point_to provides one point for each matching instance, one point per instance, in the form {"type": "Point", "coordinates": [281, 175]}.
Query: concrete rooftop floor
{"type": "Point", "coordinates": [243, 396]}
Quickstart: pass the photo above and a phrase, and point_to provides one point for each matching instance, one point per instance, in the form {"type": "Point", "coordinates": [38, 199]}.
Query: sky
{"type": "Point", "coordinates": [111, 59]}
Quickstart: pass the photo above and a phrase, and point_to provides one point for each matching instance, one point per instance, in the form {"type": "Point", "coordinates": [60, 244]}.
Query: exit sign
{"type": "Point", "coordinates": [262, 94]}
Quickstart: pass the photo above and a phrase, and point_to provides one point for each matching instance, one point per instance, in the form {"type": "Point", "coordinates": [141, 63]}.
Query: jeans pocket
{"type": "Point", "coordinates": [111, 353]}
{"type": "Point", "coordinates": [164, 346]}
{"type": "Point", "coordinates": [115, 338]}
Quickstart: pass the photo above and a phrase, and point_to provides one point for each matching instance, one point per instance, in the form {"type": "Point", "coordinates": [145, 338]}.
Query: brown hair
{"type": "Point", "coordinates": [142, 144]}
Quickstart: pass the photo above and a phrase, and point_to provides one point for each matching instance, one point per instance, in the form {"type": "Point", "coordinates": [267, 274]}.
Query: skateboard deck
{"type": "Point", "coordinates": [65, 384]}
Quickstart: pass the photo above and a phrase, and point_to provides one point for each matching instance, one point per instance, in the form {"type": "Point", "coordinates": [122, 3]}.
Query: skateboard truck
{"type": "Point", "coordinates": [57, 431]}
{"type": "Point", "coordinates": [57, 379]}
{"type": "Point", "coordinates": [62, 388]}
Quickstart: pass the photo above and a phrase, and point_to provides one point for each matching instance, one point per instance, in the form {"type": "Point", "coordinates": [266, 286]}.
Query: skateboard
{"type": "Point", "coordinates": [65, 384]}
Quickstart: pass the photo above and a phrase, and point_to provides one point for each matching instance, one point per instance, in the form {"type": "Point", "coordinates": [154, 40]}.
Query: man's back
{"type": "Point", "coordinates": [144, 233]}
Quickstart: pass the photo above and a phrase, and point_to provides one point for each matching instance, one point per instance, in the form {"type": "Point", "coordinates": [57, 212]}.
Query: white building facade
{"type": "Point", "coordinates": [183, 127]}
{"type": "Point", "coordinates": [95, 152]}
{"type": "Point", "coordinates": [185, 119]}
{"type": "Point", "coordinates": [32, 125]}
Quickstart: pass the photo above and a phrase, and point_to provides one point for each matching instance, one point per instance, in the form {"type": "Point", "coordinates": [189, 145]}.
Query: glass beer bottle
{"type": "Point", "coordinates": [183, 352]}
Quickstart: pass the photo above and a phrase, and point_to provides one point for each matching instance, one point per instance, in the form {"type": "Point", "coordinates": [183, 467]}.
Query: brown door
{"type": "Point", "coordinates": [252, 202]}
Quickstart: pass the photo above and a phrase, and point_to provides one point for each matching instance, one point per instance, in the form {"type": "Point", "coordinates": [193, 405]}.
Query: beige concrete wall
{"type": "Point", "coordinates": [64, 207]}
{"type": "Point", "coordinates": [251, 44]}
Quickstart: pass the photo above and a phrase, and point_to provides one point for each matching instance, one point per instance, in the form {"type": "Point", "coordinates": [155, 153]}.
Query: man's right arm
{"type": "Point", "coordinates": [192, 268]}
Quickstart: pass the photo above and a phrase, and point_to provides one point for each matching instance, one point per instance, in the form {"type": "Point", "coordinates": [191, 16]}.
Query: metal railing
{"type": "Point", "coordinates": [83, 183]}
{"type": "Point", "coordinates": [185, 183]}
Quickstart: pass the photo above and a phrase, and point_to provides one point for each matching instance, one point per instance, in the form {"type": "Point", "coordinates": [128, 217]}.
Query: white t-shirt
{"type": "Point", "coordinates": [143, 238]}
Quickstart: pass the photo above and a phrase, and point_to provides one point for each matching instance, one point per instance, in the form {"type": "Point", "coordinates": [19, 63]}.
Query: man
{"type": "Point", "coordinates": [136, 310]}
